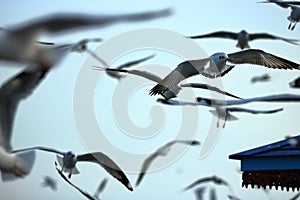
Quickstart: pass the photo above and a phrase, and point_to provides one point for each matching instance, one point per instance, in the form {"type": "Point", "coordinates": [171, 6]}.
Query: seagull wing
{"type": "Point", "coordinates": [11, 92]}
{"type": "Point", "coordinates": [199, 193]}
{"type": "Point", "coordinates": [184, 70]}
{"type": "Point", "coordinates": [197, 182]}
{"type": "Point", "coordinates": [62, 21]}
{"type": "Point", "coordinates": [108, 164]}
{"type": "Point", "coordinates": [187, 142]}
{"type": "Point", "coordinates": [146, 164]}
{"type": "Point", "coordinates": [135, 62]}
{"type": "Point", "coordinates": [218, 34]}
{"type": "Point", "coordinates": [101, 187]}
{"type": "Point", "coordinates": [259, 57]}
{"type": "Point", "coordinates": [212, 194]}
{"type": "Point", "coordinates": [282, 4]}
{"type": "Point", "coordinates": [48, 149]}
{"type": "Point", "coordinates": [273, 37]}
{"type": "Point", "coordinates": [208, 87]}
{"type": "Point", "coordinates": [236, 109]}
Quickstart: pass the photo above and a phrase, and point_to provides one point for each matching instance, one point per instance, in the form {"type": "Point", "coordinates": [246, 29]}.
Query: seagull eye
{"type": "Point", "coordinates": [221, 57]}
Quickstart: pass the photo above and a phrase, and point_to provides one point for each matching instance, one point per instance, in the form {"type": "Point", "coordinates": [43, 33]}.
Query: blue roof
{"type": "Point", "coordinates": [281, 148]}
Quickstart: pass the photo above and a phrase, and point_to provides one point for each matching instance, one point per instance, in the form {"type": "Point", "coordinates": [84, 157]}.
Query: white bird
{"type": "Point", "coordinates": [17, 43]}
{"type": "Point", "coordinates": [243, 37]}
{"type": "Point", "coordinates": [84, 193]}
{"type": "Point", "coordinates": [216, 65]}
{"type": "Point", "coordinates": [294, 17]}
{"type": "Point", "coordinates": [68, 160]}
{"type": "Point", "coordinates": [295, 83]}
{"type": "Point", "coordinates": [172, 93]}
{"type": "Point", "coordinates": [162, 151]}
{"type": "Point", "coordinates": [100, 188]}
{"type": "Point", "coordinates": [50, 182]}
{"type": "Point", "coordinates": [262, 78]}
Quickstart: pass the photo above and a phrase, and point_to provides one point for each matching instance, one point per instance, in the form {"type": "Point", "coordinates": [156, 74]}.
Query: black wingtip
{"type": "Point", "coordinates": [195, 142]}
{"type": "Point", "coordinates": [158, 89]}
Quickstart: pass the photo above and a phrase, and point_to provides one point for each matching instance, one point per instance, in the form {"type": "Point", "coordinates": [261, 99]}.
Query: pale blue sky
{"type": "Point", "coordinates": [47, 118]}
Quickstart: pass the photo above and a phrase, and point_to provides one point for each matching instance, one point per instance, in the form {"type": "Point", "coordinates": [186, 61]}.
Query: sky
{"type": "Point", "coordinates": [123, 121]}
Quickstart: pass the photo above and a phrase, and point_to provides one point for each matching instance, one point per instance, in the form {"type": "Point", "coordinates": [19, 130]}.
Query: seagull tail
{"type": "Point", "coordinates": [27, 158]}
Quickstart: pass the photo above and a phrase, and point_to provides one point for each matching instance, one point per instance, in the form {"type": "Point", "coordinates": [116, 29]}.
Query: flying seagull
{"type": "Point", "coordinates": [295, 83]}
{"type": "Point", "coordinates": [214, 179]}
{"type": "Point", "coordinates": [100, 188]}
{"type": "Point", "coordinates": [294, 17]}
{"type": "Point", "coordinates": [216, 65]}
{"type": "Point", "coordinates": [162, 151]}
{"type": "Point", "coordinates": [220, 111]}
{"type": "Point", "coordinates": [171, 93]}
{"type": "Point", "coordinates": [84, 193]}
{"type": "Point", "coordinates": [243, 37]}
{"type": "Point", "coordinates": [262, 78]}
{"type": "Point", "coordinates": [232, 197]}
{"type": "Point", "coordinates": [212, 194]}
{"type": "Point", "coordinates": [17, 42]}
{"type": "Point", "coordinates": [295, 197]}
{"type": "Point", "coordinates": [68, 160]}
{"type": "Point", "coordinates": [50, 182]}
{"type": "Point", "coordinates": [199, 193]}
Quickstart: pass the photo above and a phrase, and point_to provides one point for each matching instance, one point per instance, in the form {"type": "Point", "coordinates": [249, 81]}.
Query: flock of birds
{"type": "Point", "coordinates": [19, 43]}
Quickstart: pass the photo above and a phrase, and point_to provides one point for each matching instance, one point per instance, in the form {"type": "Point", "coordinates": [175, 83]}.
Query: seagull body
{"type": "Point", "coordinates": [162, 151]}
{"type": "Point", "coordinates": [243, 37]}
{"type": "Point", "coordinates": [68, 161]}
{"type": "Point", "coordinates": [262, 78]}
{"type": "Point", "coordinates": [17, 43]}
{"type": "Point", "coordinates": [49, 182]}
{"type": "Point", "coordinates": [294, 17]}
{"type": "Point", "coordinates": [295, 83]}
{"type": "Point", "coordinates": [216, 66]}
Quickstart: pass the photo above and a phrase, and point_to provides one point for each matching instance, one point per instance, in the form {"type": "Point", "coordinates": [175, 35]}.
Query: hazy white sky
{"type": "Point", "coordinates": [47, 117]}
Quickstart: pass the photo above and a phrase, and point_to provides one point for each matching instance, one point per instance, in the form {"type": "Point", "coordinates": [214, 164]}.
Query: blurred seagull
{"type": "Point", "coordinates": [295, 83]}
{"type": "Point", "coordinates": [100, 188]}
{"type": "Point", "coordinates": [216, 65]}
{"type": "Point", "coordinates": [199, 192]}
{"type": "Point", "coordinates": [295, 197]}
{"type": "Point", "coordinates": [214, 179]}
{"type": "Point", "coordinates": [48, 181]}
{"type": "Point", "coordinates": [243, 37]}
{"type": "Point", "coordinates": [84, 193]}
{"type": "Point", "coordinates": [17, 43]}
{"type": "Point", "coordinates": [68, 161]}
{"type": "Point", "coordinates": [232, 197]}
{"type": "Point", "coordinates": [294, 17]}
{"type": "Point", "coordinates": [162, 151]}
{"type": "Point", "coordinates": [212, 194]}
{"type": "Point", "coordinates": [262, 78]}
{"type": "Point", "coordinates": [168, 94]}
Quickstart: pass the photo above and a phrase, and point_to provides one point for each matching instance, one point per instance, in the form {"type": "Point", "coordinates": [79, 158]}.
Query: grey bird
{"type": "Point", "coordinates": [172, 93]}
{"type": "Point", "coordinates": [294, 16]}
{"type": "Point", "coordinates": [261, 78]}
{"type": "Point", "coordinates": [295, 83]}
{"type": "Point", "coordinates": [243, 37]}
{"type": "Point", "coordinates": [84, 193]}
{"type": "Point", "coordinates": [214, 179]}
{"type": "Point", "coordinates": [100, 188]}
{"type": "Point", "coordinates": [199, 193]}
{"type": "Point", "coordinates": [216, 66]}
{"type": "Point", "coordinates": [17, 42]}
{"type": "Point", "coordinates": [68, 160]}
{"type": "Point", "coordinates": [162, 151]}
{"type": "Point", "coordinates": [50, 182]}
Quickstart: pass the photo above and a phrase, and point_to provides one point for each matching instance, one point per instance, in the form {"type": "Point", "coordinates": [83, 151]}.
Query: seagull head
{"type": "Point", "coordinates": [219, 58]}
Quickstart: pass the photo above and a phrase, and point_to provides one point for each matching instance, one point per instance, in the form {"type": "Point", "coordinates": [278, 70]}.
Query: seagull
{"type": "Point", "coordinates": [49, 182]}
{"type": "Point", "coordinates": [199, 192]}
{"type": "Point", "coordinates": [243, 37]}
{"type": "Point", "coordinates": [100, 188]}
{"type": "Point", "coordinates": [17, 42]}
{"type": "Point", "coordinates": [214, 179]}
{"type": "Point", "coordinates": [172, 93]}
{"type": "Point", "coordinates": [84, 193]}
{"type": "Point", "coordinates": [216, 65]}
{"type": "Point", "coordinates": [212, 194]}
{"type": "Point", "coordinates": [68, 160]}
{"type": "Point", "coordinates": [162, 151]}
{"type": "Point", "coordinates": [295, 83]}
{"type": "Point", "coordinates": [220, 111]}
{"type": "Point", "coordinates": [262, 78]}
{"type": "Point", "coordinates": [294, 17]}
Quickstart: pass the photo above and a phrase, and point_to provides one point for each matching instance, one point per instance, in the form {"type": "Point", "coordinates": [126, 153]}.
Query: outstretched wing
{"type": "Point", "coordinates": [259, 57]}
{"type": "Point", "coordinates": [218, 34]}
{"type": "Point", "coordinates": [197, 182]}
{"type": "Point", "coordinates": [236, 109]}
{"type": "Point", "coordinates": [273, 37]}
{"type": "Point", "coordinates": [184, 70]}
{"type": "Point", "coordinates": [11, 92]}
{"type": "Point", "coordinates": [108, 164]}
{"type": "Point", "coordinates": [48, 149]}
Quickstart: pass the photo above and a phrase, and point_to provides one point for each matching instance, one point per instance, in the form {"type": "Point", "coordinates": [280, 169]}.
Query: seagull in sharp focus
{"type": "Point", "coordinates": [294, 17]}
{"type": "Point", "coordinates": [162, 151]}
{"type": "Point", "coordinates": [68, 160]}
{"type": "Point", "coordinates": [18, 42]}
{"type": "Point", "coordinates": [243, 37]}
{"type": "Point", "coordinates": [216, 65]}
